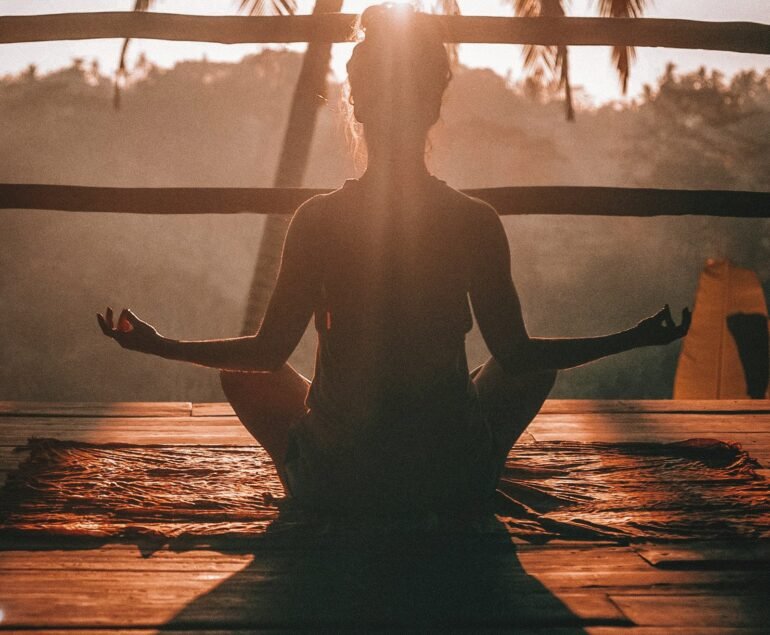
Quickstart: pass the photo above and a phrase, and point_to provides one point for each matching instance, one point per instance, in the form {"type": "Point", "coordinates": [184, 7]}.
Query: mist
{"type": "Point", "coordinates": [206, 124]}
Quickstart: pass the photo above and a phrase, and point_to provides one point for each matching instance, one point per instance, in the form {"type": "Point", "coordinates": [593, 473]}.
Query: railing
{"type": "Point", "coordinates": [577, 201]}
{"type": "Point", "coordinates": [743, 37]}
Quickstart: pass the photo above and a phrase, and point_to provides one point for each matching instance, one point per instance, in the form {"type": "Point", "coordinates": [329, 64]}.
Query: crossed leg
{"type": "Point", "coordinates": [267, 404]}
{"type": "Point", "coordinates": [510, 402]}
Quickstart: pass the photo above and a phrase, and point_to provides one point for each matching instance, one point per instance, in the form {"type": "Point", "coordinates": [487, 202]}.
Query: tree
{"type": "Point", "coordinates": [555, 59]}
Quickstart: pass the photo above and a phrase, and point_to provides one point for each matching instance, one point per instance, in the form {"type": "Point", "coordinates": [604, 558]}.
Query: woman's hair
{"type": "Point", "coordinates": [400, 68]}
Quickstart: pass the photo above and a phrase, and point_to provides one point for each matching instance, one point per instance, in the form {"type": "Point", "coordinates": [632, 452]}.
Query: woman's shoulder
{"type": "Point", "coordinates": [318, 204]}
{"type": "Point", "coordinates": [472, 208]}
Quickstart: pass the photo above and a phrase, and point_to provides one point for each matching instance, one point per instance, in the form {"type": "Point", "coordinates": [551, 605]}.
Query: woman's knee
{"type": "Point", "coordinates": [544, 380]}
{"type": "Point", "coordinates": [493, 377]}
{"type": "Point", "coordinates": [280, 393]}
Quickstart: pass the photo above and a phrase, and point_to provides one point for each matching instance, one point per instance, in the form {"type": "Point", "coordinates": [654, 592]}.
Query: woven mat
{"type": "Point", "coordinates": [696, 489]}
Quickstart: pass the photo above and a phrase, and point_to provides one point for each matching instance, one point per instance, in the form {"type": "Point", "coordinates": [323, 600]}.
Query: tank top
{"type": "Point", "coordinates": [393, 419]}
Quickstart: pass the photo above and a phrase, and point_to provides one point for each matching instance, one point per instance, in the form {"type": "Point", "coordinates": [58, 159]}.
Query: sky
{"type": "Point", "coordinates": [591, 68]}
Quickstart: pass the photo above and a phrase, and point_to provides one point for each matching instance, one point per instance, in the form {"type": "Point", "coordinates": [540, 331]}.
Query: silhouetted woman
{"type": "Point", "coordinates": [386, 266]}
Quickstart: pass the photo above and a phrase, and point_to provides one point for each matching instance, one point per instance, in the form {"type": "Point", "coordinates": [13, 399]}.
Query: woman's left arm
{"type": "Point", "coordinates": [286, 318]}
{"type": "Point", "coordinates": [557, 353]}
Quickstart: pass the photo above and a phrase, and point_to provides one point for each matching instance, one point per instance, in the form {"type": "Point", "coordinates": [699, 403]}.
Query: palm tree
{"type": "Point", "coordinates": [555, 59]}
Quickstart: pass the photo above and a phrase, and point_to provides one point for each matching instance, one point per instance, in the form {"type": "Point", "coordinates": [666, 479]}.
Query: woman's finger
{"type": "Point", "coordinates": [103, 325]}
{"type": "Point", "coordinates": [668, 320]}
{"type": "Point", "coordinates": [124, 322]}
{"type": "Point", "coordinates": [135, 321]}
{"type": "Point", "coordinates": [108, 317]}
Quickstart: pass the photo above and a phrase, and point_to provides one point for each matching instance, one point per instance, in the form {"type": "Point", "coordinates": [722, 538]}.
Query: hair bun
{"type": "Point", "coordinates": [387, 18]}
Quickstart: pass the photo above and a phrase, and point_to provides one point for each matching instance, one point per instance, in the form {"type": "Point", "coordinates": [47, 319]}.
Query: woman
{"type": "Point", "coordinates": [386, 265]}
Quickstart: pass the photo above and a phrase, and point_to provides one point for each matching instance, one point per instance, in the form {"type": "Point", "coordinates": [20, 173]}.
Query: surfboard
{"type": "Point", "coordinates": [730, 312]}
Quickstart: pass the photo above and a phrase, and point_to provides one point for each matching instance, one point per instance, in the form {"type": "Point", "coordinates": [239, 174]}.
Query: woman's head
{"type": "Point", "coordinates": [398, 73]}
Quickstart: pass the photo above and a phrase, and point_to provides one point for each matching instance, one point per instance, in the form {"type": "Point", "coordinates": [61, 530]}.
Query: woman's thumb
{"type": "Point", "coordinates": [127, 321]}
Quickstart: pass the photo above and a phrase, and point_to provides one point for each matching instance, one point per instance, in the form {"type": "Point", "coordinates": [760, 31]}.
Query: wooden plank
{"type": "Point", "coordinates": [744, 37]}
{"type": "Point", "coordinates": [601, 406]}
{"type": "Point", "coordinates": [689, 34]}
{"type": "Point", "coordinates": [748, 440]}
{"type": "Point", "coordinates": [100, 599]}
{"type": "Point", "coordinates": [696, 611]}
{"type": "Point", "coordinates": [560, 200]}
{"type": "Point", "coordinates": [657, 582]}
{"type": "Point", "coordinates": [55, 569]}
{"type": "Point", "coordinates": [96, 409]}
{"type": "Point", "coordinates": [214, 409]}
{"type": "Point", "coordinates": [139, 437]}
{"type": "Point", "coordinates": [709, 555]}
{"type": "Point", "coordinates": [15, 431]}
{"type": "Point", "coordinates": [118, 557]}
{"type": "Point", "coordinates": [557, 568]}
{"type": "Point", "coordinates": [695, 423]}
{"type": "Point", "coordinates": [553, 630]}
{"type": "Point", "coordinates": [280, 631]}
{"type": "Point", "coordinates": [673, 630]}
{"type": "Point", "coordinates": [550, 407]}
{"type": "Point", "coordinates": [118, 422]}
{"type": "Point", "coordinates": [682, 406]}
{"type": "Point", "coordinates": [154, 200]}
{"type": "Point", "coordinates": [548, 559]}
{"type": "Point", "coordinates": [254, 598]}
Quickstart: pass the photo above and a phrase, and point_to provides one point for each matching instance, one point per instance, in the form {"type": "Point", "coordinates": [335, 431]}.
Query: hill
{"type": "Point", "coordinates": [207, 124]}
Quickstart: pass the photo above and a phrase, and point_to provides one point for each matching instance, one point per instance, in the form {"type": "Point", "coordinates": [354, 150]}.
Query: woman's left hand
{"type": "Point", "coordinates": [661, 329]}
{"type": "Point", "coordinates": [130, 332]}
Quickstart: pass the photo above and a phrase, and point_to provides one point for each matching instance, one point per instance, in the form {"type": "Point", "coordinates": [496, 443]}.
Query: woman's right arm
{"type": "Point", "coordinates": [248, 353]}
{"type": "Point", "coordinates": [498, 313]}
{"type": "Point", "coordinates": [287, 315]}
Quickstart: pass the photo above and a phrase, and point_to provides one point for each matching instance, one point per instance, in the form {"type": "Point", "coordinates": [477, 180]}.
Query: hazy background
{"type": "Point", "coordinates": [215, 124]}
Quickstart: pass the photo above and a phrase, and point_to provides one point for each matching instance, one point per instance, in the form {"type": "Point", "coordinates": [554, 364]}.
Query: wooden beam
{"type": "Point", "coordinates": [575, 201]}
{"type": "Point", "coordinates": [745, 37]}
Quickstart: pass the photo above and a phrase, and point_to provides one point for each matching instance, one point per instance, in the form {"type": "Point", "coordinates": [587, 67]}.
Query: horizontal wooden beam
{"type": "Point", "coordinates": [745, 37]}
{"type": "Point", "coordinates": [575, 201]}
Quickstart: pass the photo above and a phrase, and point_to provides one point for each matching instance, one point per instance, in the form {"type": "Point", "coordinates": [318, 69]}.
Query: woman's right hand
{"type": "Point", "coordinates": [130, 332]}
{"type": "Point", "coordinates": [661, 329]}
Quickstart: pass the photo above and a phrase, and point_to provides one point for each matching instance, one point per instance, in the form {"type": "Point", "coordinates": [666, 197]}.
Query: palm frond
{"type": "Point", "coordinates": [622, 56]}
{"type": "Point", "coordinates": [139, 5]}
{"type": "Point", "coordinates": [554, 60]}
{"type": "Point", "coordinates": [252, 7]}
{"type": "Point", "coordinates": [268, 7]}
{"type": "Point", "coordinates": [448, 7]}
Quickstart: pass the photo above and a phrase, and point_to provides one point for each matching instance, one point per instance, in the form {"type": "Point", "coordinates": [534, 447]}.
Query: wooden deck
{"type": "Point", "coordinates": [598, 588]}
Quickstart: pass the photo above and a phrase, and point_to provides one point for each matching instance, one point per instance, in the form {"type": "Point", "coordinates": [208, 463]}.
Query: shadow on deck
{"type": "Point", "coordinates": [366, 580]}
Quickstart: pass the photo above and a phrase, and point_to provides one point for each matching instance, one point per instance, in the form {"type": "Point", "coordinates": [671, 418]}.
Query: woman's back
{"type": "Point", "coordinates": [391, 384]}
{"type": "Point", "coordinates": [392, 310]}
